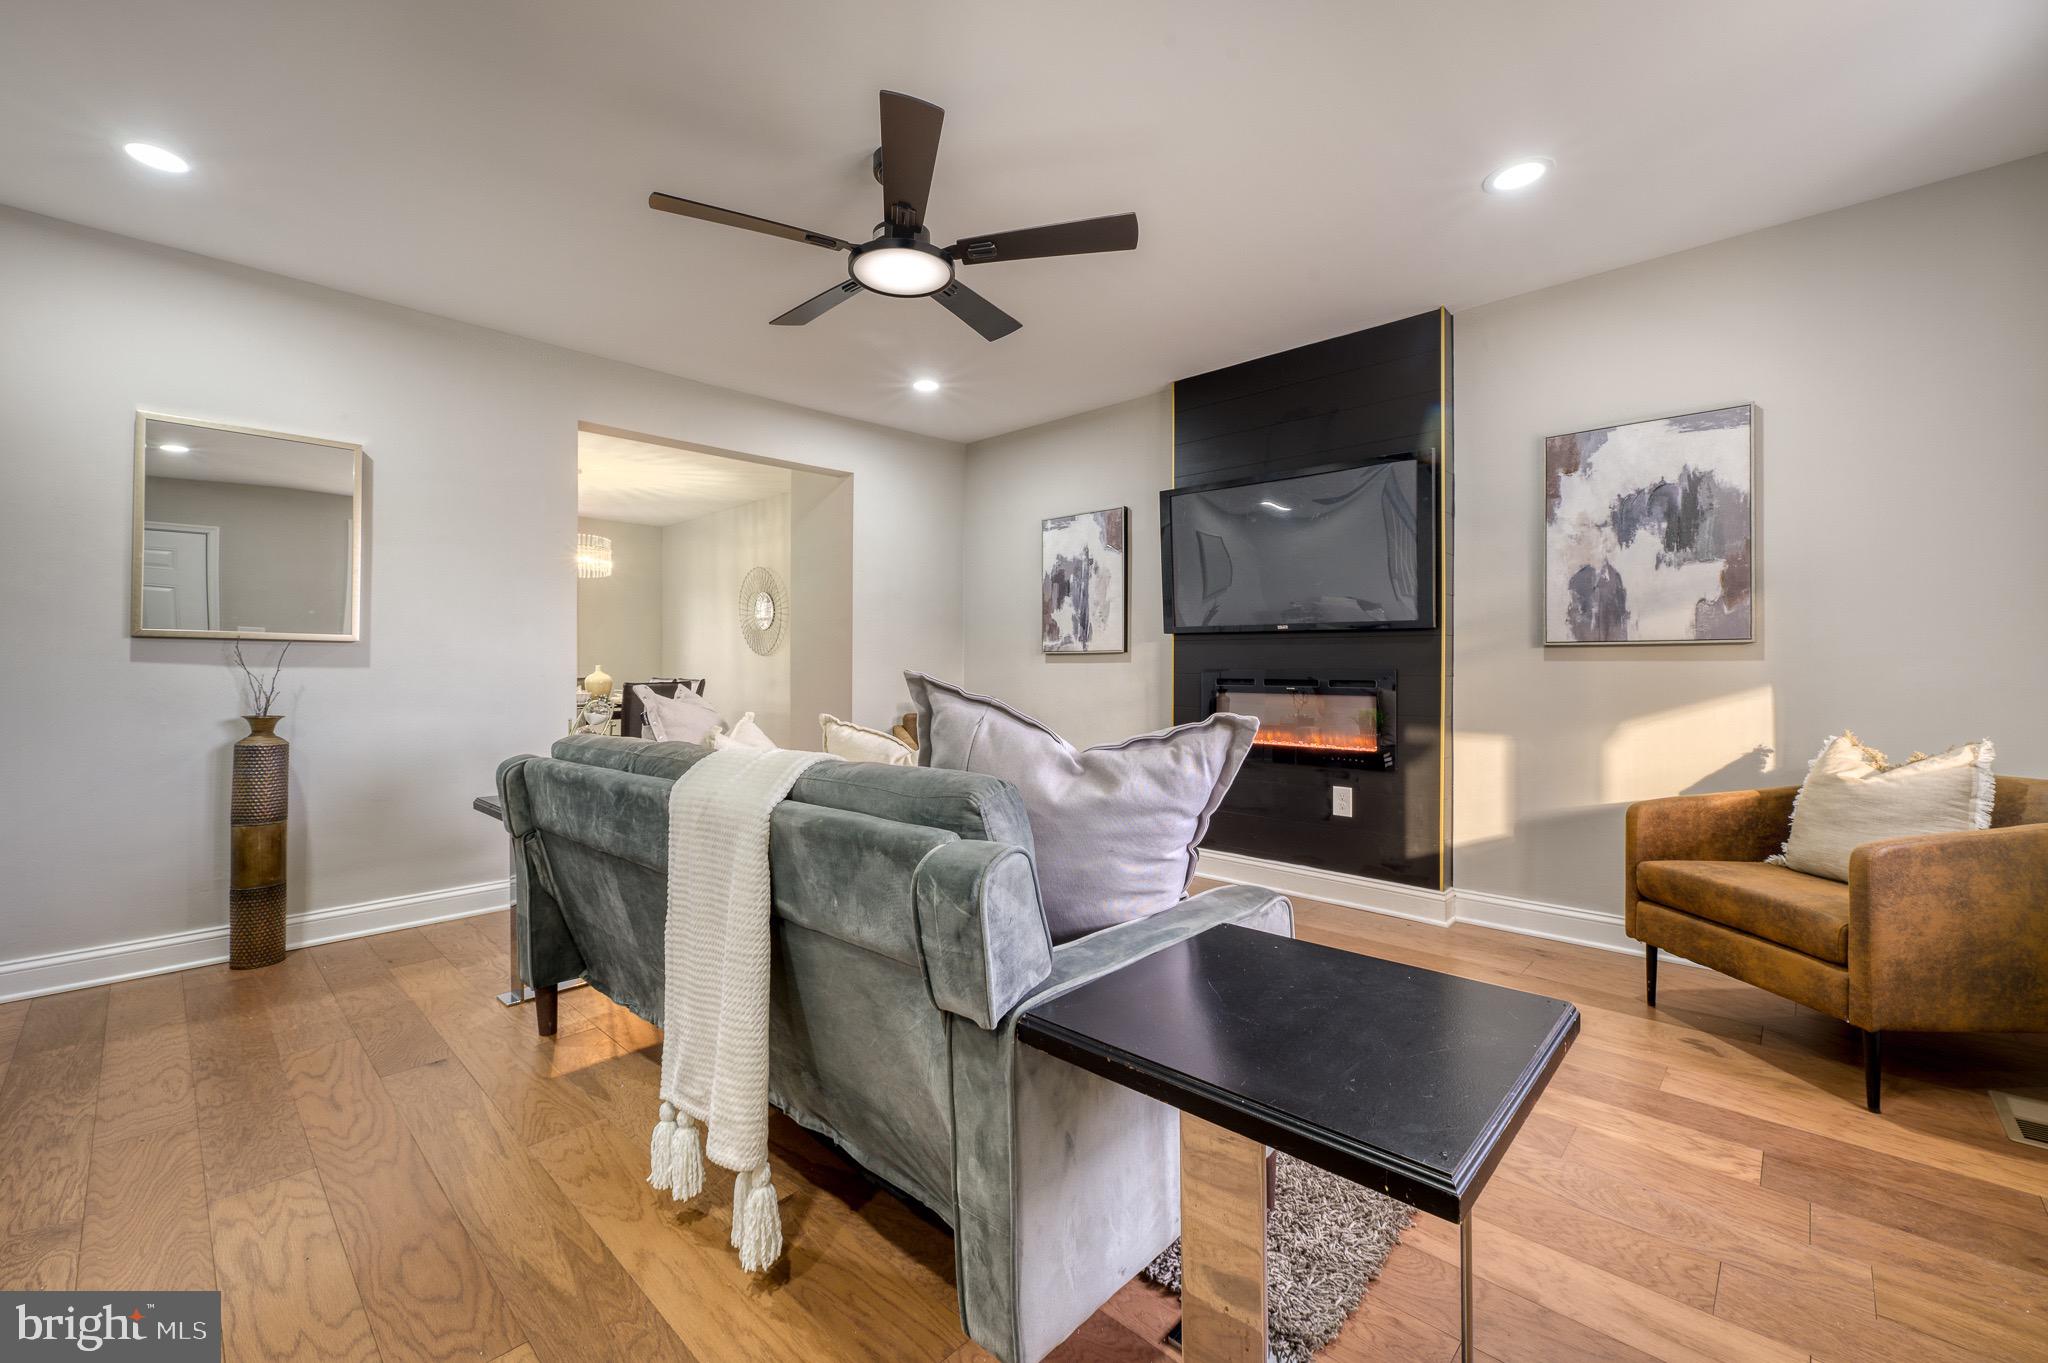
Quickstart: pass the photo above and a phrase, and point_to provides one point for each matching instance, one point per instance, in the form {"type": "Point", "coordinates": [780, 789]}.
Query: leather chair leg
{"type": "Point", "coordinates": [1650, 973]}
{"type": "Point", "coordinates": [544, 999]}
{"type": "Point", "coordinates": [1873, 1069]}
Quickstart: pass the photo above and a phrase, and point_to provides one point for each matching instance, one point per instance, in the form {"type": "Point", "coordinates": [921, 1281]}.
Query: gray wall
{"type": "Point", "coordinates": [704, 560]}
{"type": "Point", "coordinates": [1118, 456]}
{"type": "Point", "coordinates": [618, 618]}
{"type": "Point", "coordinates": [469, 612]}
{"type": "Point", "coordinates": [283, 551]}
{"type": "Point", "coordinates": [1898, 353]}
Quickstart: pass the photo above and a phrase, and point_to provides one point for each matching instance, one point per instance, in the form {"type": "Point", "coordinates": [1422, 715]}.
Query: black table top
{"type": "Point", "coordinates": [488, 804]}
{"type": "Point", "coordinates": [1398, 1078]}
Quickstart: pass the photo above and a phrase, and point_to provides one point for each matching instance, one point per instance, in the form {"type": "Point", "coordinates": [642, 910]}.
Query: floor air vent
{"type": "Point", "coordinates": [2024, 1117]}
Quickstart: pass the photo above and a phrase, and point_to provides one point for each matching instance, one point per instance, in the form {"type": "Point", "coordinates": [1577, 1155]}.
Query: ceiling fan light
{"type": "Point", "coordinates": [902, 271]}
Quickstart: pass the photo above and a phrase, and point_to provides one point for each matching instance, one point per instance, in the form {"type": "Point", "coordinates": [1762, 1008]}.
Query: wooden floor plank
{"type": "Point", "coordinates": [1654, 1206]}
{"type": "Point", "coordinates": [47, 1105]}
{"type": "Point", "coordinates": [845, 1292]}
{"type": "Point", "coordinates": [392, 1030]}
{"type": "Point", "coordinates": [1931, 1218]}
{"type": "Point", "coordinates": [518, 1070]}
{"type": "Point", "coordinates": [146, 1078]}
{"type": "Point", "coordinates": [1611, 1305]}
{"type": "Point", "coordinates": [286, 1292]}
{"type": "Point", "coordinates": [423, 1285]}
{"type": "Point", "coordinates": [56, 1021]}
{"type": "Point", "coordinates": [1724, 1128]}
{"type": "Point", "coordinates": [1943, 1290]}
{"type": "Point", "coordinates": [463, 945]}
{"type": "Point", "coordinates": [1505, 1324]}
{"type": "Point", "coordinates": [569, 1294]}
{"type": "Point", "coordinates": [403, 947]}
{"type": "Point", "coordinates": [40, 1261]}
{"type": "Point", "coordinates": [1644, 1257]}
{"type": "Point", "coordinates": [303, 1012]}
{"type": "Point", "coordinates": [146, 1214]}
{"type": "Point", "coordinates": [1830, 1331]}
{"type": "Point", "coordinates": [11, 1017]}
{"type": "Point", "coordinates": [249, 1132]}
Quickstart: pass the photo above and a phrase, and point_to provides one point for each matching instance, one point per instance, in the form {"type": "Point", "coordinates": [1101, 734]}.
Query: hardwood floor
{"type": "Point", "coordinates": [372, 1160]}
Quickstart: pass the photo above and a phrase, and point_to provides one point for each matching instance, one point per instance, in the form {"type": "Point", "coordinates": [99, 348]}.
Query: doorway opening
{"type": "Point", "coordinates": [726, 574]}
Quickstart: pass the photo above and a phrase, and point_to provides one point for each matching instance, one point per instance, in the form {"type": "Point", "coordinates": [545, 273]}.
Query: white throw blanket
{"type": "Point", "coordinates": [714, 1060]}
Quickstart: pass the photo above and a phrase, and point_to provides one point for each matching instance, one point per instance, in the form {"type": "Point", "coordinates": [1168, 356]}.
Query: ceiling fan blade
{"type": "Point", "coordinates": [811, 309]}
{"type": "Point", "coordinates": [1116, 233]}
{"type": "Point", "coordinates": [970, 307]}
{"type": "Point", "coordinates": [690, 208]}
{"type": "Point", "coordinates": [910, 148]}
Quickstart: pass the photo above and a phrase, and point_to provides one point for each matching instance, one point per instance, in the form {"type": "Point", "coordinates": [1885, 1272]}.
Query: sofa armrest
{"type": "Point", "coordinates": [1065, 1184]}
{"type": "Point", "coordinates": [1949, 931]}
{"type": "Point", "coordinates": [1734, 825]}
{"type": "Point", "coordinates": [547, 949]}
{"type": "Point", "coordinates": [1084, 958]}
{"type": "Point", "coordinates": [980, 928]}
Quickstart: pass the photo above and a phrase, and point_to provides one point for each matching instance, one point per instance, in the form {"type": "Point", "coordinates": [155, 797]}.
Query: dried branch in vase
{"type": "Point", "coordinates": [262, 693]}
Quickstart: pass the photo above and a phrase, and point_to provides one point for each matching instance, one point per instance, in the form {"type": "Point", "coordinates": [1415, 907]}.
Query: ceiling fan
{"type": "Point", "coordinates": [900, 260]}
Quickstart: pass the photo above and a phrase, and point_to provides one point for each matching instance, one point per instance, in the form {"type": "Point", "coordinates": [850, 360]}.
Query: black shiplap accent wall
{"type": "Point", "coordinates": [1337, 402]}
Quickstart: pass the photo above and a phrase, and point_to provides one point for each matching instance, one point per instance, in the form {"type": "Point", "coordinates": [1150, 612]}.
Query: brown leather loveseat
{"type": "Point", "coordinates": [1946, 932]}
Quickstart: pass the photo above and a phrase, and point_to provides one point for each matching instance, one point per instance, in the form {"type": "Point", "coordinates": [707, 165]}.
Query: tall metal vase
{"type": "Point", "coordinates": [260, 811]}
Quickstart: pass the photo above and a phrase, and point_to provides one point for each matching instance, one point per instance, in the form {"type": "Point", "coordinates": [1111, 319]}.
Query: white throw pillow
{"type": "Point", "coordinates": [743, 734]}
{"type": "Point", "coordinates": [685, 717]}
{"type": "Point", "coordinates": [1851, 796]}
{"type": "Point", "coordinates": [858, 743]}
{"type": "Point", "coordinates": [1116, 827]}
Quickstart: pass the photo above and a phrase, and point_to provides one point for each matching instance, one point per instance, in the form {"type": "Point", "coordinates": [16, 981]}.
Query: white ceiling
{"type": "Point", "coordinates": [217, 456]}
{"type": "Point", "coordinates": [631, 480]}
{"type": "Point", "coordinates": [1299, 170]}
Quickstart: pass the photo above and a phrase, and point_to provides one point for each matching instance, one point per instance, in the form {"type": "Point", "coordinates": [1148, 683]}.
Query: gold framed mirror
{"type": "Point", "coordinates": [243, 533]}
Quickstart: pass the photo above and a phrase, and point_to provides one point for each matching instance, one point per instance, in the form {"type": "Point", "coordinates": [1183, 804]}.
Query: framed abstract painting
{"type": "Point", "coordinates": [1649, 533]}
{"type": "Point", "coordinates": [1084, 588]}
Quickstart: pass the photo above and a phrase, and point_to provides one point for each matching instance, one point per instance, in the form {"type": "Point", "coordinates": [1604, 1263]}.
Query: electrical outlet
{"type": "Point", "coordinates": [1340, 802]}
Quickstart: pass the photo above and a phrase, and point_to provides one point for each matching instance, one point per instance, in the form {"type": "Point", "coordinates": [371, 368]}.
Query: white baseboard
{"type": "Point", "coordinates": [1505, 913]}
{"type": "Point", "coordinates": [1330, 887]}
{"type": "Point", "coordinates": [28, 976]}
{"type": "Point", "coordinates": [1552, 922]}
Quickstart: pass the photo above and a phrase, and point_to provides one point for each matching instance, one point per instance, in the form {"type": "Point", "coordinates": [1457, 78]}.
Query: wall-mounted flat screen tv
{"type": "Point", "coordinates": [1341, 549]}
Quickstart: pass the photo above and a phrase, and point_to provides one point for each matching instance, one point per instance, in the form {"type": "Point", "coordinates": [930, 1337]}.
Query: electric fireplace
{"type": "Point", "coordinates": [1315, 721]}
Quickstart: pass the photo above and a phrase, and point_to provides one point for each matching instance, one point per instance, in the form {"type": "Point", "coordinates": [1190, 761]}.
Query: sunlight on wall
{"type": "Point", "coordinates": [1482, 788]}
{"type": "Point", "coordinates": [1717, 744]}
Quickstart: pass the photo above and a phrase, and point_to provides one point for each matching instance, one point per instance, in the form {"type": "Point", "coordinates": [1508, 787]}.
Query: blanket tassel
{"type": "Point", "coordinates": [675, 1156]}
{"type": "Point", "coordinates": [757, 1225]}
{"type": "Point", "coordinates": [660, 1168]}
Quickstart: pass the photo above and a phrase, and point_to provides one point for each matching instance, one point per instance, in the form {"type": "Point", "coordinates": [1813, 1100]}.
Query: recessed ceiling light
{"type": "Point", "coordinates": [1517, 175]}
{"type": "Point", "coordinates": [1276, 506]}
{"type": "Point", "coordinates": [175, 449]}
{"type": "Point", "coordinates": [156, 158]}
{"type": "Point", "coordinates": [925, 385]}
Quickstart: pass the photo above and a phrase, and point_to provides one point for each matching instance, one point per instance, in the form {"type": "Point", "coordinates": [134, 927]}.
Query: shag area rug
{"type": "Point", "coordinates": [1326, 1238]}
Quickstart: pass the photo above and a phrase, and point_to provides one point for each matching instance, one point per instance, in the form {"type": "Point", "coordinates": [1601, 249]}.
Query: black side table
{"type": "Point", "coordinates": [1405, 1080]}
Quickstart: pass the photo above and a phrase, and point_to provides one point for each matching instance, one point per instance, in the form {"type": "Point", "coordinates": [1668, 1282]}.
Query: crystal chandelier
{"type": "Point", "coordinates": [593, 556]}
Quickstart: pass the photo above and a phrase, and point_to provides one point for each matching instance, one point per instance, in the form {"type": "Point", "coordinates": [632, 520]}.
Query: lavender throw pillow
{"type": "Point", "coordinates": [1116, 827]}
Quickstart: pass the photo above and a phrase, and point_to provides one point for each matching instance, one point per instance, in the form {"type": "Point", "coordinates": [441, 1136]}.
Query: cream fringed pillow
{"type": "Point", "coordinates": [1851, 796]}
{"type": "Point", "coordinates": [858, 743]}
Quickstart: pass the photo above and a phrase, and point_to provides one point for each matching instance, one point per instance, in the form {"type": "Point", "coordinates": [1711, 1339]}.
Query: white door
{"type": "Point", "coordinates": [180, 576]}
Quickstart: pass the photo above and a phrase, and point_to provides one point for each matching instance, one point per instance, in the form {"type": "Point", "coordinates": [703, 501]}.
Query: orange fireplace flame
{"type": "Point", "coordinates": [1315, 740]}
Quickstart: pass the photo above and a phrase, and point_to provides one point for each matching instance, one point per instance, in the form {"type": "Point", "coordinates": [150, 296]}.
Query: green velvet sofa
{"type": "Point", "coordinates": [908, 939]}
